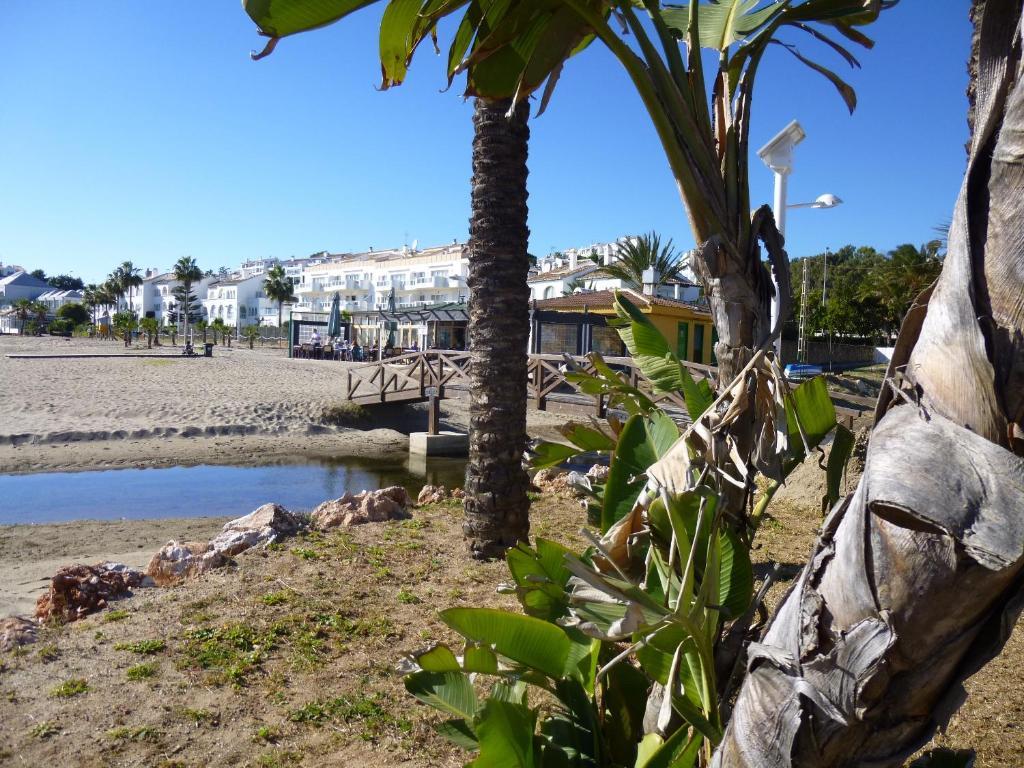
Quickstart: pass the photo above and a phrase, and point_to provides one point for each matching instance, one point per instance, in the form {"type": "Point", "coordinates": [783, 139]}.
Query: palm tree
{"type": "Point", "coordinates": [496, 505]}
{"type": "Point", "coordinates": [186, 272]}
{"type": "Point", "coordinates": [577, 285]}
{"type": "Point", "coordinates": [635, 255]}
{"type": "Point", "coordinates": [126, 277]}
{"type": "Point", "coordinates": [901, 277]}
{"type": "Point", "coordinates": [280, 288]}
{"type": "Point", "coordinates": [23, 311]}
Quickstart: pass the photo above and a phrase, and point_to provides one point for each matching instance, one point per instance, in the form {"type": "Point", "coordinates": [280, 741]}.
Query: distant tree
{"type": "Point", "coordinates": [900, 277]}
{"type": "Point", "coordinates": [223, 272]}
{"type": "Point", "coordinates": [201, 325]}
{"type": "Point", "coordinates": [251, 333]}
{"type": "Point", "coordinates": [75, 312]}
{"type": "Point", "coordinates": [124, 280]}
{"type": "Point", "coordinates": [38, 274]}
{"type": "Point", "coordinates": [66, 282]}
{"type": "Point", "coordinates": [151, 326]}
{"type": "Point", "coordinates": [186, 272]}
{"type": "Point", "coordinates": [638, 254]}
{"type": "Point", "coordinates": [23, 311]}
{"type": "Point", "coordinates": [280, 288]}
{"type": "Point", "coordinates": [217, 325]}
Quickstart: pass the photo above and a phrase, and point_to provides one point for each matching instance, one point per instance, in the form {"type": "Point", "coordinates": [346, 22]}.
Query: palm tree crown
{"type": "Point", "coordinates": [279, 287]}
{"type": "Point", "coordinates": [637, 254]}
{"type": "Point", "coordinates": [186, 272]}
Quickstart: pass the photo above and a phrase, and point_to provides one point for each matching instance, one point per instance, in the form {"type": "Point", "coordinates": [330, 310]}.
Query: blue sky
{"type": "Point", "coordinates": [127, 132]}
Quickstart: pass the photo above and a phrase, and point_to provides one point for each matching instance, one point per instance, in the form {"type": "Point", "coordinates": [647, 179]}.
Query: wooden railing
{"type": "Point", "coordinates": [415, 376]}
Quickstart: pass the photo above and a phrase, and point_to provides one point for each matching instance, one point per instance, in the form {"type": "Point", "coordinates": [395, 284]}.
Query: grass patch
{"type": "Point", "coordinates": [139, 733]}
{"type": "Point", "coordinates": [230, 653]}
{"type": "Point", "coordinates": [201, 717]}
{"type": "Point", "coordinates": [267, 734]}
{"type": "Point", "coordinates": [141, 671]}
{"type": "Point", "coordinates": [119, 615]}
{"type": "Point", "coordinates": [48, 652]}
{"type": "Point", "coordinates": [407, 598]}
{"type": "Point", "coordinates": [305, 553]}
{"type": "Point", "coordinates": [274, 598]}
{"type": "Point", "coordinates": [142, 647]}
{"type": "Point", "coordinates": [44, 730]}
{"type": "Point", "coordinates": [73, 687]}
{"type": "Point", "coordinates": [367, 710]}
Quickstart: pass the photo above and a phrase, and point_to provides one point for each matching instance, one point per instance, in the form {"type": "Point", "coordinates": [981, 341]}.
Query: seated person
{"type": "Point", "coordinates": [315, 338]}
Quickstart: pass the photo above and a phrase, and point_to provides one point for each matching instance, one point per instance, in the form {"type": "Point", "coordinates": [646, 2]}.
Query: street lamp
{"type": "Point", "coordinates": [777, 154]}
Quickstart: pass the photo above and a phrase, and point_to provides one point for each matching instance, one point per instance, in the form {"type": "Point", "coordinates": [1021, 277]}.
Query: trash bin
{"type": "Point", "coordinates": [208, 350]}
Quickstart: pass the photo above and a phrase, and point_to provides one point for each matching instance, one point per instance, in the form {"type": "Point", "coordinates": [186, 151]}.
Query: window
{"type": "Point", "coordinates": [549, 292]}
{"type": "Point", "coordinates": [682, 340]}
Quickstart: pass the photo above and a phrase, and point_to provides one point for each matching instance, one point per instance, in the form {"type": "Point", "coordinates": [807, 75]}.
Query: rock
{"type": "Point", "coordinates": [598, 473]}
{"type": "Point", "coordinates": [553, 480]}
{"type": "Point", "coordinates": [179, 561]}
{"type": "Point", "coordinates": [433, 494]}
{"type": "Point", "coordinates": [78, 590]}
{"type": "Point", "coordinates": [366, 507]}
{"type": "Point", "coordinates": [259, 528]}
{"type": "Point", "coordinates": [16, 631]}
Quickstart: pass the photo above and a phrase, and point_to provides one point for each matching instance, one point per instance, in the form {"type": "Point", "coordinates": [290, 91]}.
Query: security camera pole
{"type": "Point", "coordinates": [777, 154]}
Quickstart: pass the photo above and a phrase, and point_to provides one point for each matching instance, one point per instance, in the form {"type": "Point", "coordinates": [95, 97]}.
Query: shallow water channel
{"type": "Point", "coordinates": [207, 490]}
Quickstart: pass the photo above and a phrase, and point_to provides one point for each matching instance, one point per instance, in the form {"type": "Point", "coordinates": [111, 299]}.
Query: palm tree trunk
{"type": "Point", "coordinates": [916, 580]}
{"type": "Point", "coordinates": [496, 505]}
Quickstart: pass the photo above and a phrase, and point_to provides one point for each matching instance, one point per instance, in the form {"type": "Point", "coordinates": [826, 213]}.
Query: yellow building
{"type": "Point", "coordinates": [577, 324]}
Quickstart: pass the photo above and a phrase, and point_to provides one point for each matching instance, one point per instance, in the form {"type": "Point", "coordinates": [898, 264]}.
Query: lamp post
{"type": "Point", "coordinates": [777, 154]}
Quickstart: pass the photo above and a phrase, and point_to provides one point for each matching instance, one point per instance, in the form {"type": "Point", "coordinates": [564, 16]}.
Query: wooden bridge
{"type": "Point", "coordinates": [414, 377]}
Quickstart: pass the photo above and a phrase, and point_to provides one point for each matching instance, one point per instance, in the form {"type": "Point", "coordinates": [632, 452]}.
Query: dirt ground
{"type": "Point", "coordinates": [288, 658]}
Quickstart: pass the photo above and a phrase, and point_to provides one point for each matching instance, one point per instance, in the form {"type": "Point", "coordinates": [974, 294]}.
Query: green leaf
{"type": "Point", "coordinates": [547, 454]}
{"type": "Point", "coordinates": [838, 456]}
{"type": "Point", "coordinates": [625, 699]}
{"type": "Point", "coordinates": [540, 576]}
{"type": "Point", "coordinates": [844, 88]}
{"type": "Point", "coordinates": [397, 40]}
{"type": "Point", "coordinates": [458, 732]}
{"type": "Point", "coordinates": [523, 639]}
{"type": "Point", "coordinates": [451, 692]}
{"type": "Point", "coordinates": [677, 751]}
{"type": "Point", "coordinates": [811, 405]}
{"type": "Point", "coordinates": [438, 659]}
{"type": "Point", "coordinates": [725, 22]}
{"type": "Point", "coordinates": [476, 658]}
{"type": "Point", "coordinates": [736, 575]}
{"type": "Point", "coordinates": [641, 443]}
{"type": "Point", "coordinates": [279, 18]}
{"type": "Point", "coordinates": [505, 732]}
{"type": "Point", "coordinates": [587, 438]}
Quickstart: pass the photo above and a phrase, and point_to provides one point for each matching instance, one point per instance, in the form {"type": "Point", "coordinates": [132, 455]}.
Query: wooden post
{"type": "Point", "coordinates": [434, 415]}
{"type": "Point", "coordinates": [540, 400]}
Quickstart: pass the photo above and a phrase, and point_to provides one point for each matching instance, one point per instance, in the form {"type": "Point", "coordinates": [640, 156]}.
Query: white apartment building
{"type": "Point", "coordinates": [239, 302]}
{"type": "Point", "coordinates": [419, 278]}
{"type": "Point", "coordinates": [573, 269]}
{"type": "Point", "coordinates": [155, 297]}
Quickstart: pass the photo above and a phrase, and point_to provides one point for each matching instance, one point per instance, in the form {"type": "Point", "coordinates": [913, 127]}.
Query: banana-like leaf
{"type": "Point", "coordinates": [279, 18]}
{"type": "Point", "coordinates": [625, 694]}
{"type": "Point", "coordinates": [524, 639]}
{"type": "Point", "coordinates": [548, 454]}
{"type": "Point", "coordinates": [656, 359]}
{"type": "Point", "coordinates": [680, 750]}
{"type": "Point", "coordinates": [724, 22]}
{"type": "Point", "coordinates": [642, 442]}
{"type": "Point", "coordinates": [587, 438]}
{"type": "Point", "coordinates": [505, 732]}
{"type": "Point", "coordinates": [540, 576]}
{"type": "Point", "coordinates": [845, 90]}
{"type": "Point", "coordinates": [438, 659]}
{"type": "Point", "coordinates": [810, 415]}
{"type": "Point", "coordinates": [479, 659]}
{"type": "Point", "coordinates": [459, 733]}
{"type": "Point", "coordinates": [838, 455]}
{"type": "Point", "coordinates": [450, 692]}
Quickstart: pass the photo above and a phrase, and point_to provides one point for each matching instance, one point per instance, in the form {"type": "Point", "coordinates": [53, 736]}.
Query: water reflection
{"type": "Point", "coordinates": [207, 490]}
